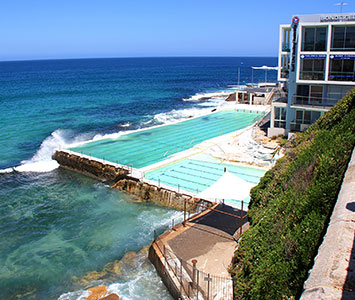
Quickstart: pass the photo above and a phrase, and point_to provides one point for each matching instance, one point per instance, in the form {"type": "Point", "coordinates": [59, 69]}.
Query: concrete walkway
{"type": "Point", "coordinates": [208, 239]}
{"type": "Point", "coordinates": [333, 274]}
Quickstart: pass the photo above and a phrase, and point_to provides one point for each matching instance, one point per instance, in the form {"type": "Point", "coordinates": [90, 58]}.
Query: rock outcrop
{"type": "Point", "coordinates": [152, 193]}
{"type": "Point", "coordinates": [93, 168]}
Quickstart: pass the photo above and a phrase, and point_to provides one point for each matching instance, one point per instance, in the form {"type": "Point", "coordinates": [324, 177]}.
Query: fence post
{"type": "Point", "coordinates": [194, 262]}
{"type": "Point", "coordinates": [208, 286]}
{"type": "Point", "coordinates": [184, 212]}
{"type": "Point", "coordinates": [181, 282]}
{"type": "Point", "coordinates": [198, 282]}
{"type": "Point", "coordinates": [241, 221]}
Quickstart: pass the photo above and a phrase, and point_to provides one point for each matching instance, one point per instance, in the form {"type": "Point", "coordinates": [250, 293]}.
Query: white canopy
{"type": "Point", "coordinates": [228, 186]}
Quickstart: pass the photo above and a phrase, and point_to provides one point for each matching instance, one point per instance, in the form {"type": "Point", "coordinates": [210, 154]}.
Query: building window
{"type": "Point", "coordinates": [304, 119]}
{"type": "Point", "coordinates": [280, 117]}
{"type": "Point", "coordinates": [342, 68]}
{"type": "Point", "coordinates": [335, 93]}
{"type": "Point", "coordinates": [312, 67]}
{"type": "Point", "coordinates": [309, 94]}
{"type": "Point", "coordinates": [314, 39]}
{"type": "Point", "coordinates": [343, 38]}
{"type": "Point", "coordinates": [286, 39]}
{"type": "Point", "coordinates": [285, 65]}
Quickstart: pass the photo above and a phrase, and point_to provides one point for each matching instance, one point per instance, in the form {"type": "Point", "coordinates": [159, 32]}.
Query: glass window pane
{"type": "Point", "coordinates": [299, 116]}
{"type": "Point", "coordinates": [307, 117]}
{"type": "Point", "coordinates": [277, 113]}
{"type": "Point", "coordinates": [283, 114]}
{"type": "Point", "coordinates": [348, 66]}
{"type": "Point", "coordinates": [308, 39]}
{"type": "Point", "coordinates": [319, 65]}
{"type": "Point", "coordinates": [338, 37]}
{"type": "Point", "coordinates": [350, 38]}
{"type": "Point", "coordinates": [307, 65]}
{"type": "Point", "coordinates": [321, 36]}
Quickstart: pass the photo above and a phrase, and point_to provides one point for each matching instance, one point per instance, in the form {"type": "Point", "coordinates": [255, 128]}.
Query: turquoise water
{"type": "Point", "coordinates": [198, 172]}
{"type": "Point", "coordinates": [56, 225]}
{"type": "Point", "coordinates": [65, 225]}
{"type": "Point", "coordinates": [150, 146]}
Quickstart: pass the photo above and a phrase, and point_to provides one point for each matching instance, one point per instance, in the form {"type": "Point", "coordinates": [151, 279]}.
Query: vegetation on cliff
{"type": "Point", "coordinates": [290, 208]}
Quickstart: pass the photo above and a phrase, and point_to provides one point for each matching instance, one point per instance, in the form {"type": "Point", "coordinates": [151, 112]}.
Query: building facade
{"type": "Point", "coordinates": [317, 66]}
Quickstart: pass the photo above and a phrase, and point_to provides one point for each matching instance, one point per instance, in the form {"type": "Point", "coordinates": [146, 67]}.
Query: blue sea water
{"type": "Point", "coordinates": [55, 224]}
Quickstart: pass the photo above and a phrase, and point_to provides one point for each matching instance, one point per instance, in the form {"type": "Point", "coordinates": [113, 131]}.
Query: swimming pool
{"type": "Point", "coordinates": [142, 148]}
{"type": "Point", "coordinates": [196, 173]}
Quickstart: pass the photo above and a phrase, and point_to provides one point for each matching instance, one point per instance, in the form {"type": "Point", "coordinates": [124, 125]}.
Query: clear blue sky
{"type": "Point", "coordinates": [42, 29]}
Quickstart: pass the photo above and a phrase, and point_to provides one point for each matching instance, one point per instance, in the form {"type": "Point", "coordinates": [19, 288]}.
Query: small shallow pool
{"type": "Point", "coordinates": [198, 172]}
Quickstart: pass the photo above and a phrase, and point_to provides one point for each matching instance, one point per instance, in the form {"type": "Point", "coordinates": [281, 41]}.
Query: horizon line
{"type": "Point", "coordinates": [132, 57]}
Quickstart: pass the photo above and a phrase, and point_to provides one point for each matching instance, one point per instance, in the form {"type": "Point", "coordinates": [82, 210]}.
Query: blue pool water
{"type": "Point", "coordinates": [142, 148]}
{"type": "Point", "coordinates": [196, 173]}
{"type": "Point", "coordinates": [56, 225]}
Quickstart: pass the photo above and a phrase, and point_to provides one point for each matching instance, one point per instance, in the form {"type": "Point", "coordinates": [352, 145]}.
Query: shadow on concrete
{"type": "Point", "coordinates": [224, 222]}
{"type": "Point", "coordinates": [351, 206]}
{"type": "Point", "coordinates": [349, 286]}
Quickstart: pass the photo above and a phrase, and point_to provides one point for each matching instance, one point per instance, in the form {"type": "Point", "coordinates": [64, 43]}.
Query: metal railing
{"type": "Point", "coordinates": [312, 75]}
{"type": "Point", "coordinates": [315, 101]}
{"type": "Point", "coordinates": [194, 283]}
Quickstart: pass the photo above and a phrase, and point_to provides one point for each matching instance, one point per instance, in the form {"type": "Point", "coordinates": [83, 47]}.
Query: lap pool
{"type": "Point", "coordinates": [145, 147]}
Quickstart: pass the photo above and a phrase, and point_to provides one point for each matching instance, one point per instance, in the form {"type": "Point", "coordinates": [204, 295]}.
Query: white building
{"type": "Point", "coordinates": [316, 62]}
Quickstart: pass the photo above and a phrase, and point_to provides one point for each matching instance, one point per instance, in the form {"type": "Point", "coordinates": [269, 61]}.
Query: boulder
{"type": "Point", "coordinates": [111, 297]}
{"type": "Point", "coordinates": [96, 292]}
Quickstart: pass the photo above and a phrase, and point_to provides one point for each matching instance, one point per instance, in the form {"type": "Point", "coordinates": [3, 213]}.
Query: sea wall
{"type": "Point", "coordinates": [156, 258]}
{"type": "Point", "coordinates": [90, 167]}
{"type": "Point", "coordinates": [148, 192]}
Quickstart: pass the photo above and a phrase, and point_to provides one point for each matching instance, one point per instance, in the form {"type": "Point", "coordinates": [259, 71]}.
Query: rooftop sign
{"type": "Point", "coordinates": [340, 18]}
{"type": "Point", "coordinates": [327, 18]}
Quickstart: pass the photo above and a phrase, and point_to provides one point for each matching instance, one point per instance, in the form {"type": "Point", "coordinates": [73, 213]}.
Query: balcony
{"type": "Point", "coordinates": [319, 102]}
{"type": "Point", "coordinates": [284, 72]}
{"type": "Point", "coordinates": [312, 75]}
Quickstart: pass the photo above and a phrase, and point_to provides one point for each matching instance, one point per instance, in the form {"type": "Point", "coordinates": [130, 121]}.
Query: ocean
{"type": "Point", "coordinates": [57, 226]}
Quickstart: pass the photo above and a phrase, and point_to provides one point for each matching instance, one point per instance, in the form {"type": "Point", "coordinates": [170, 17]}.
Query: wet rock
{"type": "Point", "coordinates": [114, 267]}
{"type": "Point", "coordinates": [90, 277]}
{"type": "Point", "coordinates": [129, 258]}
{"type": "Point", "coordinates": [96, 292]}
{"type": "Point", "coordinates": [111, 297]}
{"type": "Point", "coordinates": [144, 251]}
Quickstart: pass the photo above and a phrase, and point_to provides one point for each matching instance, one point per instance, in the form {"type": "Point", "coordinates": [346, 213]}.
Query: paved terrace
{"type": "Point", "coordinates": [209, 240]}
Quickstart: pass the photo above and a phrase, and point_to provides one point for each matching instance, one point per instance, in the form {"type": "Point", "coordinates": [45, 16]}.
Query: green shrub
{"type": "Point", "coordinates": [290, 208]}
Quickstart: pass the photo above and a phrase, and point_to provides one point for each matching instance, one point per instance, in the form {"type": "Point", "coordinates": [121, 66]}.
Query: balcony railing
{"type": "Point", "coordinates": [312, 75]}
{"type": "Point", "coordinates": [315, 101]}
{"type": "Point", "coordinates": [341, 76]}
{"type": "Point", "coordinates": [284, 72]}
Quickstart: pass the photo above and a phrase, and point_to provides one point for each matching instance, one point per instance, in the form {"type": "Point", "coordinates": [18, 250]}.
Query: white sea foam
{"type": "Point", "coordinates": [207, 96]}
{"type": "Point", "coordinates": [127, 124]}
{"type": "Point", "coordinates": [42, 160]}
